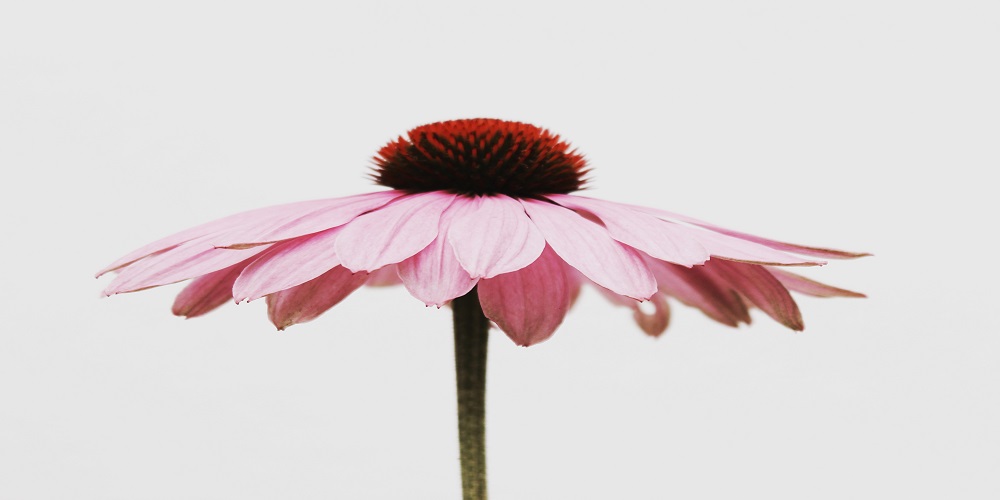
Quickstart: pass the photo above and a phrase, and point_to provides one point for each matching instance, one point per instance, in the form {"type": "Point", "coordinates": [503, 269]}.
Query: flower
{"type": "Point", "coordinates": [478, 203]}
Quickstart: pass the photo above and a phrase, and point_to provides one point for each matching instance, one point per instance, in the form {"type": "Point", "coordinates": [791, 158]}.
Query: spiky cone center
{"type": "Point", "coordinates": [481, 156]}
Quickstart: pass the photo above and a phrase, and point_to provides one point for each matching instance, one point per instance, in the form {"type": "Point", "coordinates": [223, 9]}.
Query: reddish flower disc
{"type": "Point", "coordinates": [481, 156]}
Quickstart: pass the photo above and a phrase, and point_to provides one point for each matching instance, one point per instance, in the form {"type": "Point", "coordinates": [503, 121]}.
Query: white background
{"type": "Point", "coordinates": [866, 126]}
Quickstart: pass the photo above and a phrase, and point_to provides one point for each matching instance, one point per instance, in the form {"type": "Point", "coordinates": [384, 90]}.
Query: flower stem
{"type": "Point", "coordinates": [471, 335]}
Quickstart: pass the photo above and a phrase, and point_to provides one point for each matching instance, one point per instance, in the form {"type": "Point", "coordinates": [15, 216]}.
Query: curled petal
{"type": "Point", "coordinates": [492, 235]}
{"type": "Point", "coordinates": [392, 233]}
{"type": "Point", "coordinates": [312, 298]}
{"type": "Point", "coordinates": [653, 323]}
{"type": "Point", "coordinates": [656, 322]}
{"type": "Point", "coordinates": [658, 238]}
{"type": "Point", "coordinates": [288, 264]}
{"type": "Point", "coordinates": [207, 292]}
{"type": "Point", "coordinates": [434, 275]}
{"type": "Point", "coordinates": [762, 289]}
{"type": "Point", "coordinates": [587, 246]}
{"type": "Point", "coordinates": [530, 303]}
{"type": "Point", "coordinates": [807, 286]}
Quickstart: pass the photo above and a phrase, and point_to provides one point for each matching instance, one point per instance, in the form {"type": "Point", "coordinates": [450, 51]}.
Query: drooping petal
{"type": "Point", "coordinates": [804, 285]}
{"type": "Point", "coordinates": [658, 238]}
{"type": "Point", "coordinates": [189, 260]}
{"type": "Point", "coordinates": [587, 246]}
{"type": "Point", "coordinates": [207, 292]}
{"type": "Point", "coordinates": [697, 288]}
{"type": "Point", "coordinates": [434, 275]}
{"type": "Point", "coordinates": [386, 276]}
{"type": "Point", "coordinates": [392, 233]}
{"type": "Point", "coordinates": [576, 281]}
{"type": "Point", "coordinates": [530, 303]}
{"type": "Point", "coordinates": [288, 264]}
{"type": "Point", "coordinates": [312, 298]}
{"type": "Point", "coordinates": [492, 235]}
{"type": "Point", "coordinates": [273, 221]}
{"type": "Point", "coordinates": [762, 289]}
{"type": "Point", "coordinates": [826, 253]}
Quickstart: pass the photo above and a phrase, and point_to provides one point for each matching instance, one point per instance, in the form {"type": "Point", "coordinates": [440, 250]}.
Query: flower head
{"type": "Point", "coordinates": [478, 203]}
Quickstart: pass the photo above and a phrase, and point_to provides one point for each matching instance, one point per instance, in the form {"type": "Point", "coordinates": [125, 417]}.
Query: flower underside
{"type": "Point", "coordinates": [481, 156]}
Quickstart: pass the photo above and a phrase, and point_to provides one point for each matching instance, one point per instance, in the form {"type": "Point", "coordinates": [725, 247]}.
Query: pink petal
{"type": "Point", "coordinates": [716, 244]}
{"type": "Point", "coordinates": [586, 246]}
{"type": "Point", "coordinates": [392, 233]}
{"type": "Point", "coordinates": [268, 222]}
{"type": "Point", "coordinates": [386, 276]}
{"type": "Point", "coordinates": [492, 235]}
{"type": "Point", "coordinates": [189, 260]}
{"type": "Point", "coordinates": [739, 250]}
{"type": "Point", "coordinates": [434, 275]}
{"type": "Point", "coordinates": [226, 223]}
{"type": "Point", "coordinates": [807, 286]}
{"type": "Point", "coordinates": [528, 304]}
{"type": "Point", "coordinates": [288, 264]}
{"type": "Point", "coordinates": [762, 289]}
{"type": "Point", "coordinates": [697, 288]}
{"type": "Point", "coordinates": [207, 292]}
{"type": "Point", "coordinates": [787, 247]}
{"type": "Point", "coordinates": [336, 212]}
{"type": "Point", "coordinates": [312, 298]}
{"type": "Point", "coordinates": [659, 239]}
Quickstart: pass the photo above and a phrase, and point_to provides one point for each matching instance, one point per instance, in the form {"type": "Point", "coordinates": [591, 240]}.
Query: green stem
{"type": "Point", "coordinates": [471, 335]}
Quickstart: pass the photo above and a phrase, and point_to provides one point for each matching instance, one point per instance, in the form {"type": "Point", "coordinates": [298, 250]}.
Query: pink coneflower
{"type": "Point", "coordinates": [480, 217]}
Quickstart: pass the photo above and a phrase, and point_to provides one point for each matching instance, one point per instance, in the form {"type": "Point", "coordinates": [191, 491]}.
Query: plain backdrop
{"type": "Point", "coordinates": [869, 126]}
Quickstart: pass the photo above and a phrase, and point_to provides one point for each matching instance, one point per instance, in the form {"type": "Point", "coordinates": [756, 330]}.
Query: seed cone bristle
{"type": "Point", "coordinates": [481, 156]}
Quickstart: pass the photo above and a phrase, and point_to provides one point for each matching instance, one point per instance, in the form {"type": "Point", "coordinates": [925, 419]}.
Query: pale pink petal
{"type": "Point", "coordinates": [288, 264]}
{"type": "Point", "coordinates": [392, 233]}
{"type": "Point", "coordinates": [587, 246]}
{"type": "Point", "coordinates": [697, 288]}
{"type": "Point", "coordinates": [714, 243]}
{"type": "Point", "coordinates": [207, 292]}
{"type": "Point", "coordinates": [762, 289]}
{"type": "Point", "coordinates": [189, 260]}
{"type": "Point", "coordinates": [807, 286]}
{"type": "Point", "coordinates": [740, 250]}
{"type": "Point", "coordinates": [779, 245]}
{"type": "Point", "coordinates": [336, 212]}
{"type": "Point", "coordinates": [266, 224]}
{"type": "Point", "coordinates": [434, 275]}
{"type": "Point", "coordinates": [307, 301]}
{"type": "Point", "coordinates": [659, 239]}
{"type": "Point", "coordinates": [386, 276]}
{"type": "Point", "coordinates": [223, 224]}
{"type": "Point", "coordinates": [530, 303]}
{"type": "Point", "coordinates": [492, 235]}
